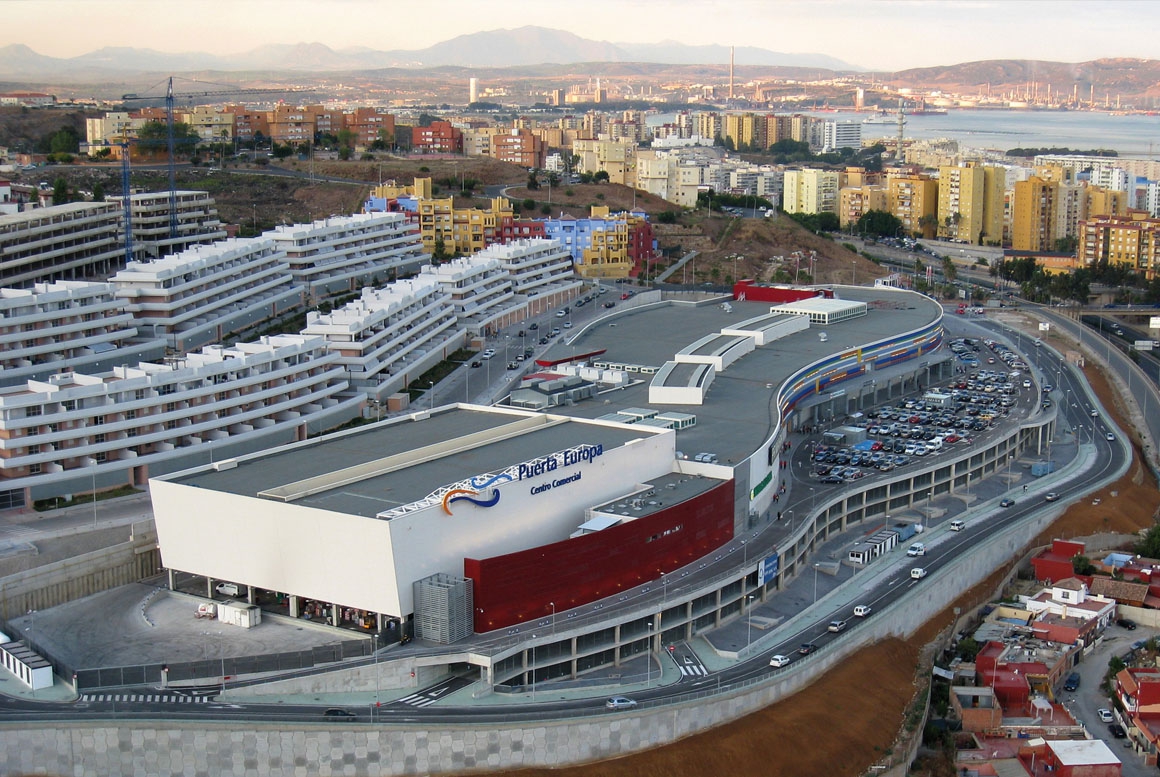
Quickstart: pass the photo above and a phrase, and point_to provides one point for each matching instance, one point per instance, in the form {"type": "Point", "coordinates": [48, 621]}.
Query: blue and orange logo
{"type": "Point", "coordinates": [473, 494]}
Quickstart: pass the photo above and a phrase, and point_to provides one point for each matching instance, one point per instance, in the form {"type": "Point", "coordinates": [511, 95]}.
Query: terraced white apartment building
{"type": "Point", "coordinates": [73, 326]}
{"type": "Point", "coordinates": [207, 292]}
{"type": "Point", "coordinates": [196, 222]}
{"type": "Point", "coordinates": [72, 242]}
{"type": "Point", "coordinates": [342, 254]}
{"type": "Point", "coordinates": [389, 337]}
{"type": "Point", "coordinates": [73, 432]}
{"type": "Point", "coordinates": [541, 271]}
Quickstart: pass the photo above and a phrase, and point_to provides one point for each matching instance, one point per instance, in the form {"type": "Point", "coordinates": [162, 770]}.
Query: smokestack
{"type": "Point", "coordinates": [730, 73]}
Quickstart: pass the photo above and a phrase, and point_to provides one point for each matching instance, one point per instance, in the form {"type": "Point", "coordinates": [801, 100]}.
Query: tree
{"type": "Point", "coordinates": [344, 153]}
{"type": "Point", "coordinates": [928, 224]}
{"type": "Point", "coordinates": [155, 135]}
{"type": "Point", "coordinates": [878, 223]}
{"type": "Point", "coordinates": [1149, 547]}
{"type": "Point", "coordinates": [667, 217]}
{"type": "Point", "coordinates": [98, 192]}
{"type": "Point", "coordinates": [529, 204]}
{"type": "Point", "coordinates": [1066, 245]}
{"type": "Point", "coordinates": [533, 182]}
{"type": "Point", "coordinates": [439, 254]}
{"type": "Point", "coordinates": [600, 176]}
{"type": "Point", "coordinates": [1082, 565]}
{"type": "Point", "coordinates": [950, 272]}
{"type": "Point", "coordinates": [60, 191]}
{"type": "Point", "coordinates": [281, 151]}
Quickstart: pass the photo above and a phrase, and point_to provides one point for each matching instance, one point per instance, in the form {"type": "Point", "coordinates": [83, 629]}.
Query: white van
{"type": "Point", "coordinates": [957, 525]}
{"type": "Point", "coordinates": [861, 611]}
{"type": "Point", "coordinates": [228, 589]}
{"type": "Point", "coordinates": [917, 549]}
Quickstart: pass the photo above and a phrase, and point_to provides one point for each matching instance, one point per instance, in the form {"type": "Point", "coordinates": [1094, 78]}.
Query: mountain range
{"type": "Point", "coordinates": [496, 48]}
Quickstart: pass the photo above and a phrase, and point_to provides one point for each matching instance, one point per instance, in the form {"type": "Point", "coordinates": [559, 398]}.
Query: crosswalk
{"type": "Point", "coordinates": [694, 670]}
{"type": "Point", "coordinates": [164, 698]}
{"type": "Point", "coordinates": [418, 700]}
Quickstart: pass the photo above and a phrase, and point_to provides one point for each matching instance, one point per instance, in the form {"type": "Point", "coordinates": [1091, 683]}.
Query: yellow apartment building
{"type": "Point", "coordinates": [970, 203]}
{"type": "Point", "coordinates": [463, 230]}
{"type": "Point", "coordinates": [810, 191]}
{"type": "Point", "coordinates": [913, 199]}
{"type": "Point", "coordinates": [854, 201]}
{"type": "Point", "coordinates": [1132, 239]}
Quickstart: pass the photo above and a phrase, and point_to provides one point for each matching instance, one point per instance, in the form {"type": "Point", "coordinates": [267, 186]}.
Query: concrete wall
{"type": "Point", "coordinates": [1144, 617]}
{"type": "Point", "coordinates": [74, 578]}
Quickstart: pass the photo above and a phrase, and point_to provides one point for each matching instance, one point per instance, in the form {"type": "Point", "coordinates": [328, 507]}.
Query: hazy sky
{"type": "Point", "coordinates": [879, 34]}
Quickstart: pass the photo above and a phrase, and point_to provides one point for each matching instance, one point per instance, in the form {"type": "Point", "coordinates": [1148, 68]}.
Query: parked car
{"type": "Point", "coordinates": [778, 661]}
{"type": "Point", "coordinates": [1072, 682]}
{"type": "Point", "coordinates": [1105, 715]}
{"type": "Point", "coordinates": [620, 703]}
{"type": "Point", "coordinates": [1117, 731]}
{"type": "Point", "coordinates": [1126, 623]}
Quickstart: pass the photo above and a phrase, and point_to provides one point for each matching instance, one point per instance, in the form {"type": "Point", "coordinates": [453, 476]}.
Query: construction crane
{"type": "Point", "coordinates": [169, 98]}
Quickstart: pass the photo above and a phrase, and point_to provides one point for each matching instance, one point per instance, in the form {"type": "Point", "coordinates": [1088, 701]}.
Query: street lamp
{"type": "Point", "coordinates": [790, 513]}
{"type": "Point", "coordinates": [431, 390]}
{"type": "Point", "coordinates": [648, 657]}
{"type": "Point", "coordinates": [93, 463]}
{"type": "Point", "coordinates": [815, 583]}
{"type": "Point", "coordinates": [749, 618]}
{"type": "Point", "coordinates": [533, 669]}
{"type": "Point", "coordinates": [553, 606]}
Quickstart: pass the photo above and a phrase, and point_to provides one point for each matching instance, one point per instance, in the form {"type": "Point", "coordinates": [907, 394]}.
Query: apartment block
{"type": "Point", "coordinates": [481, 293]}
{"type": "Point", "coordinates": [970, 203]}
{"type": "Point", "coordinates": [477, 140]}
{"type": "Point", "coordinates": [76, 241]}
{"type": "Point", "coordinates": [370, 125]}
{"type": "Point", "coordinates": [291, 124]}
{"type": "Point", "coordinates": [210, 124]}
{"type": "Point", "coordinates": [388, 337]}
{"type": "Point", "coordinates": [541, 272]}
{"type": "Point", "coordinates": [913, 199]}
{"type": "Point", "coordinates": [1034, 214]}
{"type": "Point", "coordinates": [461, 230]}
{"type": "Point", "coordinates": [599, 245]}
{"type": "Point", "coordinates": [855, 201]}
{"type": "Point", "coordinates": [68, 325]}
{"type": "Point", "coordinates": [841, 134]}
{"type": "Point", "coordinates": [73, 432]}
{"type": "Point", "coordinates": [519, 147]}
{"type": "Point", "coordinates": [708, 125]}
{"type": "Point", "coordinates": [778, 128]}
{"type": "Point", "coordinates": [342, 254]}
{"type": "Point", "coordinates": [439, 138]}
{"type": "Point", "coordinates": [196, 222]}
{"type": "Point", "coordinates": [810, 191]}
{"type": "Point", "coordinates": [744, 130]}
{"type": "Point", "coordinates": [1101, 201]}
{"type": "Point", "coordinates": [613, 157]}
{"type": "Point", "coordinates": [112, 128]}
{"type": "Point", "coordinates": [1132, 240]}
{"type": "Point", "coordinates": [249, 124]}
{"type": "Point", "coordinates": [207, 292]}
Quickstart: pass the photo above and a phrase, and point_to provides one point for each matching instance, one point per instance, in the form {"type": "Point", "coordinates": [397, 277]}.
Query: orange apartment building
{"type": "Point", "coordinates": [439, 138]}
{"type": "Point", "coordinates": [371, 124]}
{"type": "Point", "coordinates": [520, 147]}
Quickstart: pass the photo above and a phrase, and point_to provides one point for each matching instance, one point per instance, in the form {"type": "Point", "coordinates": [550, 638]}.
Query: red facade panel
{"type": "Point", "coordinates": [758, 292]}
{"type": "Point", "coordinates": [520, 586]}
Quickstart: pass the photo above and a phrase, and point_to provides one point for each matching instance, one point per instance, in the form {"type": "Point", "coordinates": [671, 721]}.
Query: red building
{"type": "Point", "coordinates": [1076, 758]}
{"type": "Point", "coordinates": [533, 583]}
{"type": "Point", "coordinates": [519, 229]}
{"type": "Point", "coordinates": [764, 292]}
{"type": "Point", "coordinates": [1054, 564]}
{"type": "Point", "coordinates": [439, 138]}
{"type": "Point", "coordinates": [641, 244]}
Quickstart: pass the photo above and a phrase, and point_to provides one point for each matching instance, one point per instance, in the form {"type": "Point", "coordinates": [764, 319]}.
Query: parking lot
{"type": "Point", "coordinates": [891, 436]}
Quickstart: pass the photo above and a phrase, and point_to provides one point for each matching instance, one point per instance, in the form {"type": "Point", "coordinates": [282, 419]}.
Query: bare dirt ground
{"type": "Point", "coordinates": [849, 719]}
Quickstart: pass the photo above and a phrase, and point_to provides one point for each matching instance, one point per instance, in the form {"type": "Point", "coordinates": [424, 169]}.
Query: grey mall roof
{"type": "Point", "coordinates": [737, 417]}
